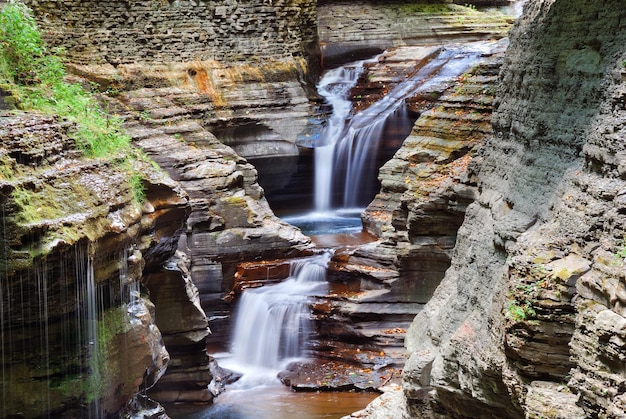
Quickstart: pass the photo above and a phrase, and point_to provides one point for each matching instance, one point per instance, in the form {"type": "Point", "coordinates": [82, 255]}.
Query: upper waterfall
{"type": "Point", "coordinates": [350, 142]}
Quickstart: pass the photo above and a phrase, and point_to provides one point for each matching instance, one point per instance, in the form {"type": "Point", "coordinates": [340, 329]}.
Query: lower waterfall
{"type": "Point", "coordinates": [273, 324]}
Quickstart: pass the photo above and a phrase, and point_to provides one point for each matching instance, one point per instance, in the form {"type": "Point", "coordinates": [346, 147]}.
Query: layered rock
{"type": "Point", "coordinates": [231, 221]}
{"type": "Point", "coordinates": [235, 69]}
{"type": "Point", "coordinates": [352, 30]}
{"type": "Point", "coordinates": [249, 64]}
{"type": "Point", "coordinates": [526, 319]}
{"type": "Point", "coordinates": [78, 332]}
{"type": "Point", "coordinates": [183, 325]}
{"type": "Point", "coordinates": [123, 32]}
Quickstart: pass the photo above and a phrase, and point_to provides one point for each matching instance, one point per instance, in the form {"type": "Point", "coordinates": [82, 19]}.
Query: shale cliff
{"type": "Point", "coordinates": [78, 328]}
{"type": "Point", "coordinates": [528, 318]}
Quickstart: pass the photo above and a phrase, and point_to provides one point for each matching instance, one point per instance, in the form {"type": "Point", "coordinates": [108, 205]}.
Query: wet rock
{"type": "Point", "coordinates": [329, 375]}
{"type": "Point", "coordinates": [76, 243]}
{"type": "Point", "coordinates": [184, 326]}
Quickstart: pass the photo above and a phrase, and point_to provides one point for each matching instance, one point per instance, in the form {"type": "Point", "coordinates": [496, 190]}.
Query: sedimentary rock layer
{"type": "Point", "coordinates": [158, 31]}
{"type": "Point", "coordinates": [351, 30]}
{"type": "Point", "coordinates": [78, 334]}
{"type": "Point", "coordinates": [526, 320]}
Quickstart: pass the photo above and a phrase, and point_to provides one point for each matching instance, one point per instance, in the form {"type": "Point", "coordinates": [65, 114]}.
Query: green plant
{"type": "Point", "coordinates": [137, 186]}
{"type": "Point", "coordinates": [24, 58]}
{"type": "Point", "coordinates": [517, 312]}
{"type": "Point", "coordinates": [35, 77]}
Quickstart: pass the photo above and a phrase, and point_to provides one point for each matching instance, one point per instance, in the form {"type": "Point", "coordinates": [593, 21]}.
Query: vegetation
{"type": "Point", "coordinates": [518, 313]}
{"type": "Point", "coordinates": [35, 77]}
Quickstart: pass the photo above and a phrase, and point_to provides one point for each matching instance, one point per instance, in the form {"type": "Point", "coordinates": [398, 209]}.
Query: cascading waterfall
{"type": "Point", "coordinates": [335, 87]}
{"type": "Point", "coordinates": [87, 317]}
{"type": "Point", "coordinates": [273, 322]}
{"type": "Point", "coordinates": [349, 143]}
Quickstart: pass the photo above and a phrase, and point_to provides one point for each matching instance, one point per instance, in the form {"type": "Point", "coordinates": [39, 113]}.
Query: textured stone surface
{"type": "Point", "coordinates": [351, 30]}
{"type": "Point", "coordinates": [77, 336]}
{"type": "Point", "coordinates": [536, 270]}
{"type": "Point", "coordinates": [155, 31]}
{"type": "Point", "coordinates": [184, 327]}
{"type": "Point", "coordinates": [230, 221]}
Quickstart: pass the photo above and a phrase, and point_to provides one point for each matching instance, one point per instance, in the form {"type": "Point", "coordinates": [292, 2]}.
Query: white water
{"type": "Point", "coordinates": [349, 143]}
{"type": "Point", "coordinates": [335, 87]}
{"type": "Point", "coordinates": [273, 323]}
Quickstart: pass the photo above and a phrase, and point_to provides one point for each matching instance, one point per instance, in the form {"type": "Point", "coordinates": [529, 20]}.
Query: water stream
{"type": "Point", "coordinates": [346, 153]}
{"type": "Point", "coordinates": [273, 323]}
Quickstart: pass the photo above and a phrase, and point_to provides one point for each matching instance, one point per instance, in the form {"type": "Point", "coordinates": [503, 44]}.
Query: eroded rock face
{"type": "Point", "coordinates": [351, 30]}
{"type": "Point", "coordinates": [184, 327]}
{"type": "Point", "coordinates": [249, 63]}
{"type": "Point", "coordinates": [531, 298]}
{"type": "Point", "coordinates": [230, 221]}
{"type": "Point", "coordinates": [78, 335]}
{"type": "Point", "coordinates": [117, 32]}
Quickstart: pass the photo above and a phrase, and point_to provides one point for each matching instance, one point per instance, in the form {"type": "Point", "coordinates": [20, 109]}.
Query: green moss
{"type": "Point", "coordinates": [426, 8]}
{"type": "Point", "coordinates": [34, 207]}
{"type": "Point", "coordinates": [114, 322]}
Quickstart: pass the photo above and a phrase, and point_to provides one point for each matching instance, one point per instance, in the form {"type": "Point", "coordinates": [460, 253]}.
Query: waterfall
{"type": "Point", "coordinates": [349, 143]}
{"type": "Point", "coordinates": [335, 87]}
{"type": "Point", "coordinates": [90, 305]}
{"type": "Point", "coordinates": [273, 323]}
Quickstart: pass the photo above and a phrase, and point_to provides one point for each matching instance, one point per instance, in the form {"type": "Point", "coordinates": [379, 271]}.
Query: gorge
{"type": "Point", "coordinates": [488, 279]}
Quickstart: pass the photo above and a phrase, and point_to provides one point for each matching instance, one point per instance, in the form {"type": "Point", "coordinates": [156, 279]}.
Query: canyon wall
{"type": "Point", "coordinates": [78, 328]}
{"type": "Point", "coordinates": [202, 84]}
{"type": "Point", "coordinates": [253, 60]}
{"type": "Point", "coordinates": [527, 320]}
{"type": "Point", "coordinates": [353, 30]}
{"type": "Point", "coordinates": [164, 31]}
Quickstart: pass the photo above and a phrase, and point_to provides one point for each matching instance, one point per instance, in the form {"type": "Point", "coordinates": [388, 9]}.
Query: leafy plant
{"type": "Point", "coordinates": [137, 186]}
{"type": "Point", "coordinates": [517, 312]}
{"type": "Point", "coordinates": [35, 77]}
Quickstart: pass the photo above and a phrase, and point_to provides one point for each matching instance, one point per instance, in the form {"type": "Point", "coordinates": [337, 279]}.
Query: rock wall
{"type": "Point", "coordinates": [230, 220]}
{"type": "Point", "coordinates": [351, 30]}
{"type": "Point", "coordinates": [78, 331]}
{"type": "Point", "coordinates": [164, 31]}
{"type": "Point", "coordinates": [526, 320]}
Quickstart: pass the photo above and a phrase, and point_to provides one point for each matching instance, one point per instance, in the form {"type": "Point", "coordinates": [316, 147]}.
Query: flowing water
{"type": "Point", "coordinates": [50, 319]}
{"type": "Point", "coordinates": [272, 328]}
{"type": "Point", "coordinates": [272, 323]}
{"type": "Point", "coordinates": [349, 146]}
